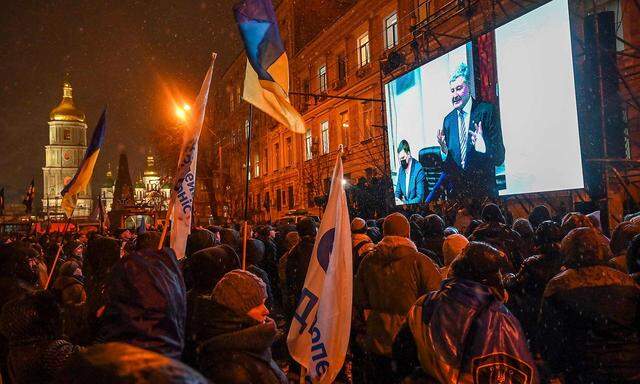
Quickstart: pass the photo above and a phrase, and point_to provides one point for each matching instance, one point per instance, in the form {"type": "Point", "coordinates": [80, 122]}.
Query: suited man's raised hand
{"type": "Point", "coordinates": [477, 139]}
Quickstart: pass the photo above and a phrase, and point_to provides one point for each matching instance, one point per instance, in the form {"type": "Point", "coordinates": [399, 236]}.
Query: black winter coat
{"type": "Point", "coordinates": [590, 326]}
{"type": "Point", "coordinates": [236, 349]}
{"type": "Point", "coordinates": [295, 272]}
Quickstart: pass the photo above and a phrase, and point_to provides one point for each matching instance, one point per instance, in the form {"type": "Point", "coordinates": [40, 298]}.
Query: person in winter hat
{"type": "Point", "coordinates": [360, 241]}
{"type": "Point", "coordinates": [433, 230]}
{"type": "Point", "coordinates": [538, 215]}
{"type": "Point", "coordinates": [234, 342]}
{"type": "Point", "coordinates": [463, 333]}
{"type": "Point", "coordinates": [389, 281]}
{"type": "Point", "coordinates": [494, 231]}
{"type": "Point", "coordinates": [255, 256]}
{"type": "Point", "coordinates": [199, 239]}
{"type": "Point", "coordinates": [451, 248]}
{"type": "Point", "coordinates": [620, 239]}
{"type": "Point", "coordinates": [588, 327]}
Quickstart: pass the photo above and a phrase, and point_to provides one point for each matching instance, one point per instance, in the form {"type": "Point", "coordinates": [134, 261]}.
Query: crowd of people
{"type": "Point", "coordinates": [483, 299]}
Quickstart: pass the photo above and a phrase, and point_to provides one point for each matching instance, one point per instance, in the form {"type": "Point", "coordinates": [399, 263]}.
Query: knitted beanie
{"type": "Point", "coordinates": [452, 247]}
{"type": "Point", "coordinates": [396, 225]}
{"type": "Point", "coordinates": [358, 225]}
{"type": "Point", "coordinates": [240, 291]}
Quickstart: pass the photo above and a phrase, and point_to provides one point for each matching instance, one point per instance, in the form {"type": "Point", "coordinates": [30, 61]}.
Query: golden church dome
{"type": "Point", "coordinates": [66, 110]}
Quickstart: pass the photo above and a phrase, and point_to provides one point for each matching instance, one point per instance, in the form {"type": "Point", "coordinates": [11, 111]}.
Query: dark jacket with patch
{"type": "Point", "coordinates": [236, 349]}
{"type": "Point", "coordinates": [590, 327]}
{"type": "Point", "coordinates": [389, 281]}
{"type": "Point", "coordinates": [464, 334]}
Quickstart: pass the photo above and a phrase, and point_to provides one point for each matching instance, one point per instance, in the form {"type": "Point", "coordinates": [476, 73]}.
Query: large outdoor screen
{"type": "Point", "coordinates": [496, 116]}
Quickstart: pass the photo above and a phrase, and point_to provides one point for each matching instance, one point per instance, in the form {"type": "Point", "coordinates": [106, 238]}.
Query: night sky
{"type": "Point", "coordinates": [124, 54]}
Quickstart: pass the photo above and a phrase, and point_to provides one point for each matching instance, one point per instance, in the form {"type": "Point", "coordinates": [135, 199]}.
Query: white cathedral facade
{"type": "Point", "coordinates": [67, 145]}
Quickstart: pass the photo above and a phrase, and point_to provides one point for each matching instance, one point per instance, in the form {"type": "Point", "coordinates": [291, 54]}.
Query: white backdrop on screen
{"type": "Point", "coordinates": [538, 102]}
{"type": "Point", "coordinates": [416, 113]}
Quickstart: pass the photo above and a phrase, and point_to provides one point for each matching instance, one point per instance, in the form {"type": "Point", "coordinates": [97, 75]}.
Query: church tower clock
{"type": "Point", "coordinates": [67, 145]}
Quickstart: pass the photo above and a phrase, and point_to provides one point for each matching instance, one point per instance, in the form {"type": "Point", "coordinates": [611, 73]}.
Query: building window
{"type": "Point", "coordinates": [267, 201]}
{"type": "Point", "coordinates": [322, 76]}
{"type": "Point", "coordinates": [266, 161]}
{"type": "Point", "coordinates": [342, 69]}
{"type": "Point", "coordinates": [257, 161]}
{"type": "Point", "coordinates": [67, 135]}
{"type": "Point", "coordinates": [306, 89]}
{"type": "Point", "coordinates": [391, 30]}
{"type": "Point", "coordinates": [366, 119]}
{"type": "Point", "coordinates": [307, 144]}
{"type": "Point", "coordinates": [324, 127]}
{"type": "Point", "coordinates": [231, 101]}
{"type": "Point", "coordinates": [276, 149]}
{"type": "Point", "coordinates": [291, 199]}
{"type": "Point", "coordinates": [258, 206]}
{"type": "Point", "coordinates": [278, 200]}
{"type": "Point", "coordinates": [344, 126]}
{"type": "Point", "coordinates": [288, 151]}
{"type": "Point", "coordinates": [363, 49]}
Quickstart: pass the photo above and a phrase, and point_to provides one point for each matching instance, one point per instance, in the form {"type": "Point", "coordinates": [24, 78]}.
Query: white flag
{"type": "Point", "coordinates": [184, 185]}
{"type": "Point", "coordinates": [319, 332]}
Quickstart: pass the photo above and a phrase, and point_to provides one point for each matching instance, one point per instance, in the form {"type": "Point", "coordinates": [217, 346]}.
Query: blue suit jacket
{"type": "Point", "coordinates": [417, 184]}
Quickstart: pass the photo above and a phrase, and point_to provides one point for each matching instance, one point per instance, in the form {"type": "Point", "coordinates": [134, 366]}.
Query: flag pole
{"type": "Point", "coordinates": [166, 221]}
{"type": "Point", "coordinates": [55, 261]}
{"type": "Point", "coordinates": [246, 190]}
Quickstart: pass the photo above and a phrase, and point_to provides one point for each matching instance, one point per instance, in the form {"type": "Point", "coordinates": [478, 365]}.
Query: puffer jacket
{"type": "Point", "coordinates": [389, 281]}
{"type": "Point", "coordinates": [590, 325]}
{"type": "Point", "coordinates": [236, 349]}
{"type": "Point", "coordinates": [464, 334]}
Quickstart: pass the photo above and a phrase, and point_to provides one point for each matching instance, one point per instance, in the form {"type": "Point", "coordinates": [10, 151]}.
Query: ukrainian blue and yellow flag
{"type": "Point", "coordinates": [266, 81]}
{"type": "Point", "coordinates": [83, 175]}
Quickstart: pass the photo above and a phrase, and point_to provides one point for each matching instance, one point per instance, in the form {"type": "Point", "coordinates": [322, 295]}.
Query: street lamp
{"type": "Point", "coordinates": [181, 112]}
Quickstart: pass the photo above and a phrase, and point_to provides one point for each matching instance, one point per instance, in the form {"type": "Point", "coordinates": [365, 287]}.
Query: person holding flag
{"type": "Point", "coordinates": [83, 175]}
{"type": "Point", "coordinates": [266, 81]}
{"type": "Point", "coordinates": [319, 333]}
{"type": "Point", "coordinates": [184, 185]}
{"type": "Point", "coordinates": [28, 197]}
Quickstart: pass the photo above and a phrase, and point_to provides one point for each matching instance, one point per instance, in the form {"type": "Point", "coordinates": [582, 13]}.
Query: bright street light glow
{"type": "Point", "coordinates": [344, 182]}
{"type": "Point", "coordinates": [186, 107]}
{"type": "Point", "coordinates": [182, 115]}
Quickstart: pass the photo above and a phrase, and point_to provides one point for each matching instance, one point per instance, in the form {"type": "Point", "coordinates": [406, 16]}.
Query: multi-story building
{"type": "Point", "coordinates": [339, 61]}
{"type": "Point", "coordinates": [337, 55]}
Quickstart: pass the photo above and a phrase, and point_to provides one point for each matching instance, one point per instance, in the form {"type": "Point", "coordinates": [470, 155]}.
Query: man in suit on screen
{"type": "Point", "coordinates": [470, 141]}
{"type": "Point", "coordinates": [411, 185]}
